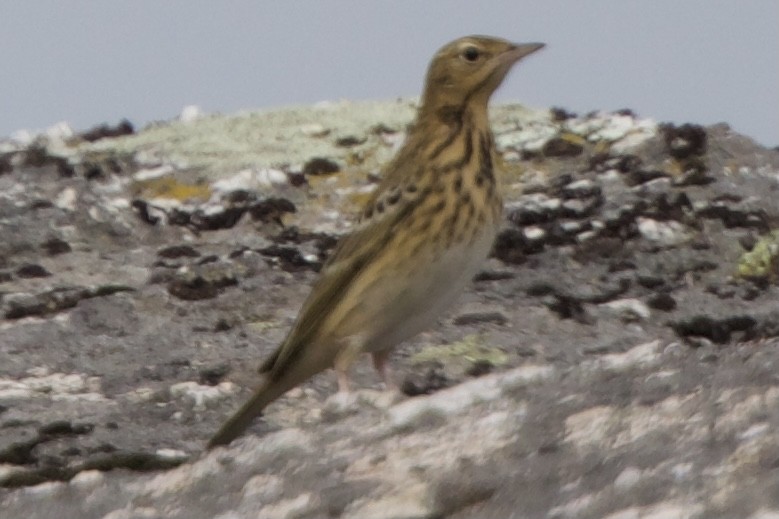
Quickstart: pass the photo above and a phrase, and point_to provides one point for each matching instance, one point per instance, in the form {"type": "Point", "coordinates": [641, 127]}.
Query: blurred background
{"type": "Point", "coordinates": [87, 62]}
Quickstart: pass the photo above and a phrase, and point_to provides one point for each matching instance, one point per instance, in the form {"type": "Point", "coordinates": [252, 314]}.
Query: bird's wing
{"type": "Point", "coordinates": [388, 209]}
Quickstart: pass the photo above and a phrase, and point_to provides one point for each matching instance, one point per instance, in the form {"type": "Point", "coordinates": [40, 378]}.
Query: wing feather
{"type": "Point", "coordinates": [353, 252]}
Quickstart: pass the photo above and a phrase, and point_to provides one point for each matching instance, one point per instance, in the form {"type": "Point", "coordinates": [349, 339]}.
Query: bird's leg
{"type": "Point", "coordinates": [382, 368]}
{"type": "Point", "coordinates": [343, 381]}
{"type": "Point", "coordinates": [344, 360]}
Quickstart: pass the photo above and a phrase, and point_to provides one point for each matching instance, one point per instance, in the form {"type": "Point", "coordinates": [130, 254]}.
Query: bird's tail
{"type": "Point", "coordinates": [265, 394]}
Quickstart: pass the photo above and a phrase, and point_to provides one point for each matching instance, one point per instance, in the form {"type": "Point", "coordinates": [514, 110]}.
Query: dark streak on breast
{"type": "Point", "coordinates": [393, 197]}
{"type": "Point", "coordinates": [485, 158]}
{"type": "Point", "coordinates": [458, 184]}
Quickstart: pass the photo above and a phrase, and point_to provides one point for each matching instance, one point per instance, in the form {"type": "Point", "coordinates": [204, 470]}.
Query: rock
{"type": "Point", "coordinates": [31, 270]}
{"type": "Point", "coordinates": [579, 208]}
{"type": "Point", "coordinates": [733, 214]}
{"type": "Point", "coordinates": [664, 233]}
{"type": "Point", "coordinates": [211, 376]}
{"type": "Point", "coordinates": [583, 188]}
{"type": "Point", "coordinates": [534, 209]}
{"type": "Point", "coordinates": [491, 275]}
{"type": "Point", "coordinates": [67, 199]}
{"type": "Point", "coordinates": [561, 114]}
{"type": "Point", "coordinates": [480, 317]}
{"type": "Point", "coordinates": [200, 397]}
{"type": "Point", "coordinates": [762, 262]}
{"type": "Point", "coordinates": [320, 166]}
{"type": "Point", "coordinates": [105, 131]}
{"type": "Point", "coordinates": [629, 309]}
{"type": "Point", "coordinates": [204, 282]}
{"type": "Point", "coordinates": [349, 141]}
{"type": "Point", "coordinates": [190, 114]}
{"type": "Point", "coordinates": [663, 302]}
{"type": "Point", "coordinates": [290, 258]}
{"type": "Point", "coordinates": [566, 145]}
{"type": "Point", "coordinates": [577, 387]}
{"type": "Point", "coordinates": [693, 176]}
{"type": "Point", "coordinates": [639, 176]}
{"type": "Point", "coordinates": [55, 246]}
{"type": "Point", "coordinates": [456, 400]}
{"type": "Point", "coordinates": [178, 251]}
{"type": "Point", "coordinates": [567, 307]}
{"type": "Point", "coordinates": [685, 140]}
{"type": "Point", "coordinates": [64, 427]}
{"type": "Point", "coordinates": [718, 329]}
{"type": "Point", "coordinates": [20, 305]}
{"type": "Point", "coordinates": [251, 180]}
{"type": "Point", "coordinates": [271, 209]}
{"type": "Point", "coordinates": [37, 156]}
{"type": "Point", "coordinates": [215, 217]}
{"type": "Point", "coordinates": [650, 281]}
{"type": "Point", "coordinates": [270, 177]}
{"type": "Point", "coordinates": [511, 246]}
{"type": "Point", "coordinates": [432, 380]}
{"type": "Point", "coordinates": [6, 163]}
{"type": "Point", "coordinates": [314, 130]}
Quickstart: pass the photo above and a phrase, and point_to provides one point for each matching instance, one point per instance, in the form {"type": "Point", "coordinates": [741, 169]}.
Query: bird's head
{"type": "Point", "coordinates": [468, 70]}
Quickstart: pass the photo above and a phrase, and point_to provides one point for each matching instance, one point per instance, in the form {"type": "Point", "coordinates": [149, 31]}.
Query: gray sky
{"type": "Point", "coordinates": [92, 61]}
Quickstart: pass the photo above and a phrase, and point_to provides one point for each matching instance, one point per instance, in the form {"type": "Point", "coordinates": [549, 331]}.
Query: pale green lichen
{"type": "Point", "coordinates": [467, 352]}
{"type": "Point", "coordinates": [762, 262]}
{"type": "Point", "coordinates": [227, 143]}
{"type": "Point", "coordinates": [217, 145]}
{"type": "Point", "coordinates": [262, 326]}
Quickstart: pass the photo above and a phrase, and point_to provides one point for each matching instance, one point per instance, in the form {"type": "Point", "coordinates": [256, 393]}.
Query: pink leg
{"type": "Point", "coordinates": [344, 361]}
{"type": "Point", "coordinates": [343, 381]}
{"type": "Point", "coordinates": [382, 367]}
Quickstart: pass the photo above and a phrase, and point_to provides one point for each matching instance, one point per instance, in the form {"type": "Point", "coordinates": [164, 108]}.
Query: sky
{"type": "Point", "coordinates": [93, 61]}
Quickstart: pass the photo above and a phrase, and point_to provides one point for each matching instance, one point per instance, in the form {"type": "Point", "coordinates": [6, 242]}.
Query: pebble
{"type": "Point", "coordinates": [263, 488]}
{"type": "Point", "coordinates": [581, 188]}
{"type": "Point", "coordinates": [67, 199]}
{"type": "Point", "coordinates": [534, 233]}
{"type": "Point", "coordinates": [629, 309]}
{"type": "Point", "coordinates": [45, 490]}
{"type": "Point", "coordinates": [613, 129]}
{"type": "Point", "coordinates": [199, 396]}
{"type": "Point", "coordinates": [455, 400]}
{"type": "Point", "coordinates": [190, 113]}
{"type": "Point", "coordinates": [641, 356]}
{"type": "Point", "coordinates": [87, 479]}
{"type": "Point", "coordinates": [631, 141]}
{"type": "Point", "coordinates": [152, 173]}
{"type": "Point", "coordinates": [293, 508]}
{"type": "Point", "coordinates": [627, 479]}
{"type": "Point", "coordinates": [666, 233]}
{"type": "Point", "coordinates": [251, 180]}
{"type": "Point", "coordinates": [412, 500]}
{"type": "Point", "coordinates": [314, 130]}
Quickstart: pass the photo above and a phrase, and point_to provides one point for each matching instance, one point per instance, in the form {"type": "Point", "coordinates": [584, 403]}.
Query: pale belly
{"type": "Point", "coordinates": [401, 309]}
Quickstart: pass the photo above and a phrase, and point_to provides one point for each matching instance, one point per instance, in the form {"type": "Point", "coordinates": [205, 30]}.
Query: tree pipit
{"type": "Point", "coordinates": [420, 238]}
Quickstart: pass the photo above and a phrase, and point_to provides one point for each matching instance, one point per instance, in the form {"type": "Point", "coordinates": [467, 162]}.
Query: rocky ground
{"type": "Point", "coordinates": [617, 357]}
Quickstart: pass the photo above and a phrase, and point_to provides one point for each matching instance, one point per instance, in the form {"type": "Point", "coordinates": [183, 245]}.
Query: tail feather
{"type": "Point", "coordinates": [282, 373]}
{"type": "Point", "coordinates": [243, 418]}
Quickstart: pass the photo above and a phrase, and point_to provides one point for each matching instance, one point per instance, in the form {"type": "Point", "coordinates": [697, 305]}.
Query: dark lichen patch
{"type": "Point", "coordinates": [320, 166]}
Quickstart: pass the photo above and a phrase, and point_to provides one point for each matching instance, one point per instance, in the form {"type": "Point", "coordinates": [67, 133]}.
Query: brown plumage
{"type": "Point", "coordinates": [420, 239]}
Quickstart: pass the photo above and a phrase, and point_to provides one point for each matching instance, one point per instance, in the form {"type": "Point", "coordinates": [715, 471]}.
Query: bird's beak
{"type": "Point", "coordinates": [520, 50]}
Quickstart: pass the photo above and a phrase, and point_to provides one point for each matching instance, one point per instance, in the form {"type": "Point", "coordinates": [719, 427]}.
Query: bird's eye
{"type": "Point", "coordinates": [471, 54]}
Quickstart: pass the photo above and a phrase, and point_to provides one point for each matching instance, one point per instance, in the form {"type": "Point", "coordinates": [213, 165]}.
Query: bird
{"type": "Point", "coordinates": [418, 241]}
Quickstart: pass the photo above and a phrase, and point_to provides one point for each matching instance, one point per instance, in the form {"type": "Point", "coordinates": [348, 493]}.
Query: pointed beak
{"type": "Point", "coordinates": [520, 50]}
